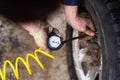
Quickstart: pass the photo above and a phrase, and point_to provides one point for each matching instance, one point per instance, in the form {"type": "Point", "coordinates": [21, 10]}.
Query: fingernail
{"type": "Point", "coordinates": [92, 34]}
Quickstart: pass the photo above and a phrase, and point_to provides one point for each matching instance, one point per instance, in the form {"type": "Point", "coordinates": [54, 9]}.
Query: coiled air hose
{"type": "Point", "coordinates": [25, 62]}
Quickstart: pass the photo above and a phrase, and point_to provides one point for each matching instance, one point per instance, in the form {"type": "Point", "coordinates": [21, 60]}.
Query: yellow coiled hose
{"type": "Point", "coordinates": [25, 62]}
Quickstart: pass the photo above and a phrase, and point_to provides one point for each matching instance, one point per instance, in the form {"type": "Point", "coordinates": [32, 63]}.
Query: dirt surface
{"type": "Point", "coordinates": [15, 41]}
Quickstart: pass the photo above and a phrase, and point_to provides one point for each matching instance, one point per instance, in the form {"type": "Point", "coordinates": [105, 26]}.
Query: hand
{"type": "Point", "coordinates": [36, 29]}
{"type": "Point", "coordinates": [78, 23]}
{"type": "Point", "coordinates": [82, 25]}
{"type": "Point", "coordinates": [75, 21]}
{"type": "Point", "coordinates": [85, 26]}
{"type": "Point", "coordinates": [31, 27]}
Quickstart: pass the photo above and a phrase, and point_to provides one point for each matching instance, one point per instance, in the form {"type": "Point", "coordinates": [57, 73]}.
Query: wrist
{"type": "Point", "coordinates": [70, 13]}
{"type": "Point", "coordinates": [31, 27]}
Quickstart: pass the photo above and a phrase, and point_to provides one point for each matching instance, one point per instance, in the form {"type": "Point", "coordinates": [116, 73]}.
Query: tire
{"type": "Point", "coordinates": [106, 17]}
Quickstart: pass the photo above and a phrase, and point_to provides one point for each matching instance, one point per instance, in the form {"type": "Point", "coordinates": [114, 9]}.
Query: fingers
{"type": "Point", "coordinates": [31, 27]}
{"type": "Point", "coordinates": [87, 26]}
{"type": "Point", "coordinates": [90, 28]}
{"type": "Point", "coordinates": [90, 25]}
{"type": "Point", "coordinates": [89, 32]}
{"type": "Point", "coordinates": [86, 38]}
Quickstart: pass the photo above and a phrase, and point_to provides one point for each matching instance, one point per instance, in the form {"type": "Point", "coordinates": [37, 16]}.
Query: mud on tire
{"type": "Point", "coordinates": [106, 17]}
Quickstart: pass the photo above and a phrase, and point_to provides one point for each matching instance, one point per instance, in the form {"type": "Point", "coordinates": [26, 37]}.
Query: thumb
{"type": "Point", "coordinates": [89, 32]}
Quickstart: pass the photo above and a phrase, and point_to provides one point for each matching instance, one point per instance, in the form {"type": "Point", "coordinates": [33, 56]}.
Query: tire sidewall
{"type": "Point", "coordinates": [102, 19]}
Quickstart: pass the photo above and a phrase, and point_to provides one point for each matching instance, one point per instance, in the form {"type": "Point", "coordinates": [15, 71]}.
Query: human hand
{"type": "Point", "coordinates": [36, 29]}
{"type": "Point", "coordinates": [31, 27]}
{"type": "Point", "coordinates": [79, 23]}
{"type": "Point", "coordinates": [82, 25]}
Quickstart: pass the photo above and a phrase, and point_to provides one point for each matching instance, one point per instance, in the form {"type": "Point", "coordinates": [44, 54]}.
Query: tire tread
{"type": "Point", "coordinates": [114, 8]}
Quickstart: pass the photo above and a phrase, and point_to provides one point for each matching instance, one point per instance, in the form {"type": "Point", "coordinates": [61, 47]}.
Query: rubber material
{"type": "Point", "coordinates": [106, 17]}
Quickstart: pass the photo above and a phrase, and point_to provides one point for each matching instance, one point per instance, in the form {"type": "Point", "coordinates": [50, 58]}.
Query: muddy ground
{"type": "Point", "coordinates": [15, 41]}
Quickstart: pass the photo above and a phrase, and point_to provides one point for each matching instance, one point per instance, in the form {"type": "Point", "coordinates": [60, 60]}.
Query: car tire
{"type": "Point", "coordinates": [106, 17]}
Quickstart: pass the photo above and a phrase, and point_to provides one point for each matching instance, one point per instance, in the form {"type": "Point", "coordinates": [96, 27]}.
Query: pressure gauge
{"type": "Point", "coordinates": [54, 42]}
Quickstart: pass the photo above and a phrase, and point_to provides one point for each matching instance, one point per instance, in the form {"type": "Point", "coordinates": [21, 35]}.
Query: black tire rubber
{"type": "Point", "coordinates": [106, 17]}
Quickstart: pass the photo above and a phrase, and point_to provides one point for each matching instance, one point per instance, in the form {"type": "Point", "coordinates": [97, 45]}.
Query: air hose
{"type": "Point", "coordinates": [25, 62]}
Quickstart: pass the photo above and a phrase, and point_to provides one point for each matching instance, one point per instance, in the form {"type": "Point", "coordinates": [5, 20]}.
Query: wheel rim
{"type": "Point", "coordinates": [81, 61]}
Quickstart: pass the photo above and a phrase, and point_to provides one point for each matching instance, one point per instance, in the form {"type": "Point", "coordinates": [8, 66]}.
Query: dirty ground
{"type": "Point", "coordinates": [15, 41]}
